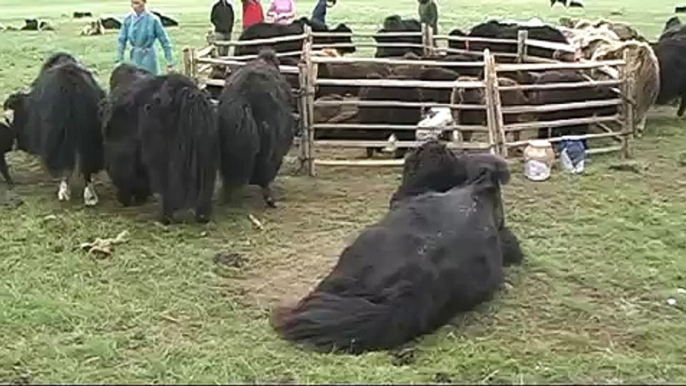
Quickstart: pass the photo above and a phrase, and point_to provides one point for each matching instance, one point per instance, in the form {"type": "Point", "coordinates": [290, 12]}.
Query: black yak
{"type": "Point", "coordinates": [121, 117]}
{"type": "Point", "coordinates": [161, 137]}
{"type": "Point", "coordinates": [433, 167]}
{"type": "Point", "coordinates": [499, 30]}
{"type": "Point", "coordinates": [475, 96]}
{"type": "Point", "coordinates": [166, 20]}
{"type": "Point", "coordinates": [256, 125]}
{"type": "Point", "coordinates": [110, 22]}
{"type": "Point", "coordinates": [297, 27]}
{"type": "Point", "coordinates": [389, 115]}
{"type": "Point", "coordinates": [59, 121]}
{"type": "Point", "coordinates": [673, 27]}
{"type": "Point", "coordinates": [671, 55]}
{"type": "Point", "coordinates": [395, 24]}
{"type": "Point", "coordinates": [432, 257]}
{"type": "Point", "coordinates": [568, 3]}
{"type": "Point", "coordinates": [552, 96]}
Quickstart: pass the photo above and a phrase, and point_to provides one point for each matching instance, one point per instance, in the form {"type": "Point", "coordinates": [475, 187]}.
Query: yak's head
{"type": "Point", "coordinates": [486, 173]}
{"type": "Point", "coordinates": [343, 29]}
{"type": "Point", "coordinates": [57, 59]}
{"type": "Point", "coordinates": [15, 110]}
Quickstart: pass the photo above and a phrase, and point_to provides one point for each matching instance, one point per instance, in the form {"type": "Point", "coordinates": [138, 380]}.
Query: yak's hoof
{"type": "Point", "coordinates": [90, 198]}
{"type": "Point", "coordinates": [64, 193]}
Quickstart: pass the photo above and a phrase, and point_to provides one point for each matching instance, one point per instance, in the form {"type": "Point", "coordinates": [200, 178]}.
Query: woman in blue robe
{"type": "Point", "coordinates": [141, 28]}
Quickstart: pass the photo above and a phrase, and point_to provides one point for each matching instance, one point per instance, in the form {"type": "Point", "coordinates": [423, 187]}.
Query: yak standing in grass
{"type": "Point", "coordinates": [256, 127]}
{"type": "Point", "coordinates": [671, 54]}
{"type": "Point", "coordinates": [121, 115]}
{"type": "Point", "coordinates": [59, 121]}
{"type": "Point", "coordinates": [433, 256]}
{"type": "Point", "coordinates": [162, 137]}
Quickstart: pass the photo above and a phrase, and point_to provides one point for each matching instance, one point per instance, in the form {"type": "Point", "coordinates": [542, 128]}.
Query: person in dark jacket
{"type": "Point", "coordinates": [428, 14]}
{"type": "Point", "coordinates": [222, 18]}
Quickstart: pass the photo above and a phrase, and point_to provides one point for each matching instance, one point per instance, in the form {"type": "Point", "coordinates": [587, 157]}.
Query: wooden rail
{"type": "Point", "coordinates": [495, 133]}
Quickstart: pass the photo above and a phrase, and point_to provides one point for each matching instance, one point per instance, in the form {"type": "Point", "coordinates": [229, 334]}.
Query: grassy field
{"type": "Point", "coordinates": [605, 251]}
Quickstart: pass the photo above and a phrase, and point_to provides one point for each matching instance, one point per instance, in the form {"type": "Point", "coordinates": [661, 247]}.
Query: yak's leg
{"type": "Point", "coordinates": [227, 194]}
{"type": "Point", "coordinates": [203, 210]}
{"type": "Point", "coordinates": [682, 106]}
{"type": "Point", "coordinates": [90, 197]}
{"type": "Point", "coordinates": [124, 197]}
{"type": "Point", "coordinates": [64, 191]}
{"type": "Point", "coordinates": [140, 198]}
{"type": "Point", "coordinates": [268, 196]}
{"type": "Point", "coordinates": [167, 215]}
{"type": "Point", "coordinates": [11, 198]}
{"type": "Point", "coordinates": [641, 126]}
{"type": "Point", "coordinates": [4, 169]}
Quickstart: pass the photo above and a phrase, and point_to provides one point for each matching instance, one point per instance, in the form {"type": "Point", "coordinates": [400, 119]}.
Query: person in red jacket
{"type": "Point", "coordinates": [252, 13]}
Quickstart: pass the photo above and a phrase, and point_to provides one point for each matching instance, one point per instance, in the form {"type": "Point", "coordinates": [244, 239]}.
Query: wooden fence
{"type": "Point", "coordinates": [495, 133]}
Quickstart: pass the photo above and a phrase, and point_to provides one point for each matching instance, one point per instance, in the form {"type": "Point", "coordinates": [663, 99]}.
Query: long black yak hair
{"type": "Point", "coordinates": [172, 126]}
{"type": "Point", "coordinates": [59, 120]}
{"type": "Point", "coordinates": [433, 167]}
{"type": "Point", "coordinates": [121, 117]}
{"type": "Point", "coordinates": [256, 125]}
{"type": "Point", "coordinates": [433, 256]}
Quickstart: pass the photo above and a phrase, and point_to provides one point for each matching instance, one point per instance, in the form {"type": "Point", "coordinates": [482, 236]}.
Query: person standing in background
{"type": "Point", "coordinates": [252, 13]}
{"type": "Point", "coordinates": [319, 11]}
{"type": "Point", "coordinates": [428, 14]}
{"type": "Point", "coordinates": [282, 11]}
{"type": "Point", "coordinates": [141, 28]}
{"type": "Point", "coordinates": [222, 18]}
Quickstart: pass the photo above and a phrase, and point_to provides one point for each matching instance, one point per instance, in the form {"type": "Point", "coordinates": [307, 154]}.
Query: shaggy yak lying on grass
{"type": "Point", "coordinates": [438, 252]}
{"type": "Point", "coordinates": [58, 120]}
{"type": "Point", "coordinates": [161, 136]}
{"type": "Point", "coordinates": [256, 127]}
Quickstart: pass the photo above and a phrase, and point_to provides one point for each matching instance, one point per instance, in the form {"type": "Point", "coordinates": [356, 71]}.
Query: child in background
{"type": "Point", "coordinates": [428, 14]}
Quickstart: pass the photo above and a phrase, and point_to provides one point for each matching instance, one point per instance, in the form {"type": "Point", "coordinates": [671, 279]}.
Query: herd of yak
{"type": "Point", "coordinates": [657, 68]}
{"type": "Point", "coordinates": [441, 249]}
{"type": "Point", "coordinates": [154, 134]}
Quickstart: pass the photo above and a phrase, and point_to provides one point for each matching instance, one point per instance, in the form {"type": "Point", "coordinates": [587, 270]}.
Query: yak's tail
{"type": "Point", "coordinates": [329, 322]}
{"type": "Point", "coordinates": [192, 163]}
{"type": "Point", "coordinates": [69, 121]}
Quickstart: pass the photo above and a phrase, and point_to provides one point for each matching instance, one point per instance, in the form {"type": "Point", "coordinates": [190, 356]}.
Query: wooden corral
{"type": "Point", "coordinates": [498, 134]}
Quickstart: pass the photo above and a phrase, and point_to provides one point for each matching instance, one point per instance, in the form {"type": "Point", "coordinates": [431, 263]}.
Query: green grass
{"type": "Point", "coordinates": [605, 250]}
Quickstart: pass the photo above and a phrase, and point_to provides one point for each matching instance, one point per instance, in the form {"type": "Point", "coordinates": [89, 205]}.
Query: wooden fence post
{"type": "Point", "coordinates": [430, 41]}
{"type": "Point", "coordinates": [187, 61]}
{"type": "Point", "coordinates": [489, 92]}
{"type": "Point", "coordinates": [310, 87]}
{"type": "Point", "coordinates": [425, 40]}
{"type": "Point", "coordinates": [627, 88]}
{"type": "Point", "coordinates": [522, 36]}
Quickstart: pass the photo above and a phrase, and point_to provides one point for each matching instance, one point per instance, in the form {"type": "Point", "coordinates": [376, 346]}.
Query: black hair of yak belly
{"type": "Point", "coordinates": [162, 137]}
